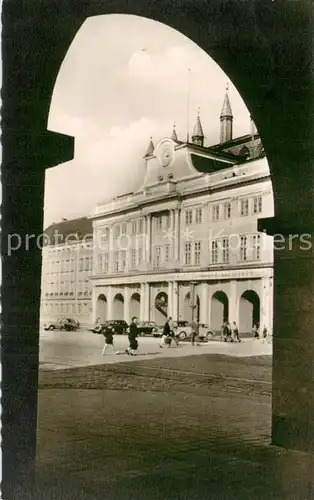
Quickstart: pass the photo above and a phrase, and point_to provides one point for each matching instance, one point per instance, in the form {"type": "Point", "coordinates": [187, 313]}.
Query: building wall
{"type": "Point", "coordinates": [66, 289]}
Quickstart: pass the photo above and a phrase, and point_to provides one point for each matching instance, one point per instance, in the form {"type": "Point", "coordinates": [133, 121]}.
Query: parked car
{"type": "Point", "coordinates": [147, 328]}
{"type": "Point", "coordinates": [184, 332]}
{"type": "Point", "coordinates": [67, 324]}
{"type": "Point", "coordinates": [119, 326]}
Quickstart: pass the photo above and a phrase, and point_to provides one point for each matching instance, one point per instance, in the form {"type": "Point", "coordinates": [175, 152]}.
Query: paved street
{"type": "Point", "coordinates": [162, 427]}
{"type": "Point", "coordinates": [69, 349]}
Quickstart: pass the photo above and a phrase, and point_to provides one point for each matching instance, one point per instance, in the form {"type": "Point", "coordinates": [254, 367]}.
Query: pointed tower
{"type": "Point", "coordinates": [174, 136]}
{"type": "Point", "coordinates": [226, 119]}
{"type": "Point", "coordinates": [198, 134]}
{"type": "Point", "coordinates": [150, 149]}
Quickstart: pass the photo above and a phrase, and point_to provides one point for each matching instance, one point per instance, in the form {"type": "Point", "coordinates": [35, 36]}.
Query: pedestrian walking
{"type": "Point", "coordinates": [255, 332]}
{"type": "Point", "coordinates": [226, 332]}
{"type": "Point", "coordinates": [195, 331]}
{"type": "Point", "coordinates": [132, 335]}
{"type": "Point", "coordinates": [108, 332]}
{"type": "Point", "coordinates": [165, 333]}
{"type": "Point", "coordinates": [235, 332]}
{"type": "Point", "coordinates": [265, 334]}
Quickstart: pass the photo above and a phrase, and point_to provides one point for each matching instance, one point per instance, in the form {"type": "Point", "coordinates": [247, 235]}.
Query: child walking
{"type": "Point", "coordinates": [108, 334]}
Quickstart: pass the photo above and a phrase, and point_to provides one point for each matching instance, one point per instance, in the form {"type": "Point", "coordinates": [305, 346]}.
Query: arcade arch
{"type": "Point", "coordinates": [101, 308]}
{"type": "Point", "coordinates": [249, 311]}
{"type": "Point", "coordinates": [161, 308]}
{"type": "Point", "coordinates": [118, 306]}
{"type": "Point", "coordinates": [219, 310]}
{"type": "Point", "coordinates": [135, 303]}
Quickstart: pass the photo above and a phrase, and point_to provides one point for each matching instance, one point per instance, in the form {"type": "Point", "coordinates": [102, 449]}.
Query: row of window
{"type": "Point", "coordinates": [249, 248]}
{"type": "Point", "coordinates": [69, 265]}
{"type": "Point", "coordinates": [66, 253]}
{"type": "Point", "coordinates": [162, 255]}
{"type": "Point", "coordinates": [247, 206]}
{"type": "Point", "coordinates": [67, 288]}
{"type": "Point", "coordinates": [65, 308]}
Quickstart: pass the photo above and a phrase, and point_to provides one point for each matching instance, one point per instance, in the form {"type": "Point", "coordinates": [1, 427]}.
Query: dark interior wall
{"type": "Point", "coordinates": [265, 47]}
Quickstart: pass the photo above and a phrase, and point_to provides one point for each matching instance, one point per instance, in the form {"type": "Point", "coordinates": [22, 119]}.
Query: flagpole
{"type": "Point", "coordinates": [188, 106]}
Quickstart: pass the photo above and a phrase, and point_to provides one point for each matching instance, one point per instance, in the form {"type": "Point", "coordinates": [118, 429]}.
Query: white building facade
{"type": "Point", "coordinates": [66, 267]}
{"type": "Point", "coordinates": [194, 220]}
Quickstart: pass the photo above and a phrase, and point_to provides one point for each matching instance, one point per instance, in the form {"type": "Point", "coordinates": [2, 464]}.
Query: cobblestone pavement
{"type": "Point", "coordinates": [196, 427]}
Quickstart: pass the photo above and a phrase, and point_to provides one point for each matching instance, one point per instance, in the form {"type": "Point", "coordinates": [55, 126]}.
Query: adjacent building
{"type": "Point", "coordinates": [66, 267]}
{"type": "Point", "coordinates": [194, 220]}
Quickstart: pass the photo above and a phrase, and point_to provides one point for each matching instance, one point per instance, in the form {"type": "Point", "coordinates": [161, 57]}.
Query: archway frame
{"type": "Point", "coordinates": [258, 55]}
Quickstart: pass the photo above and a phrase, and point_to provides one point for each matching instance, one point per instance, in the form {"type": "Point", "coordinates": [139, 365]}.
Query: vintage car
{"type": "Point", "coordinates": [184, 331]}
{"type": "Point", "coordinates": [119, 326]}
{"type": "Point", "coordinates": [147, 328]}
{"type": "Point", "coordinates": [67, 324]}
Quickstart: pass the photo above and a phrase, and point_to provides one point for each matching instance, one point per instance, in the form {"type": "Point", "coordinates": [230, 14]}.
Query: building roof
{"type": "Point", "coordinates": [234, 142]}
{"type": "Point", "coordinates": [72, 230]}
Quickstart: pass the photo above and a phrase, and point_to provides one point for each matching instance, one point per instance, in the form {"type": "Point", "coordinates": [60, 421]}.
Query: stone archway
{"type": "Point", "coordinates": [219, 310]}
{"type": "Point", "coordinates": [118, 307]}
{"type": "Point", "coordinates": [161, 308]}
{"type": "Point", "coordinates": [135, 305]}
{"type": "Point", "coordinates": [267, 55]}
{"type": "Point", "coordinates": [102, 308]}
{"type": "Point", "coordinates": [249, 311]}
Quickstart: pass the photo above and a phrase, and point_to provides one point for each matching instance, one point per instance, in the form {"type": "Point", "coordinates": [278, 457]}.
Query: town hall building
{"type": "Point", "coordinates": [193, 221]}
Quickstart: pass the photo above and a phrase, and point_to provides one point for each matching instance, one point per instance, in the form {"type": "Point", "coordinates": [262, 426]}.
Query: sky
{"type": "Point", "coordinates": [124, 79]}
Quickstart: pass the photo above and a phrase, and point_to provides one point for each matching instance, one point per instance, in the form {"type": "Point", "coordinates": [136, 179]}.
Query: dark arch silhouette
{"type": "Point", "coordinates": [257, 55]}
{"type": "Point", "coordinates": [135, 301]}
{"type": "Point", "coordinates": [219, 310]}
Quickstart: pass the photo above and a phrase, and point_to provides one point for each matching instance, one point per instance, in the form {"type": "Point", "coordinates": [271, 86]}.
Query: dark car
{"type": "Point", "coordinates": [147, 328]}
{"type": "Point", "coordinates": [119, 326]}
{"type": "Point", "coordinates": [67, 324]}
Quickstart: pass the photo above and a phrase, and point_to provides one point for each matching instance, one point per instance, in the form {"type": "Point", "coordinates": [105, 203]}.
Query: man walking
{"type": "Point", "coordinates": [133, 333]}
{"type": "Point", "coordinates": [195, 331]}
{"type": "Point", "coordinates": [108, 332]}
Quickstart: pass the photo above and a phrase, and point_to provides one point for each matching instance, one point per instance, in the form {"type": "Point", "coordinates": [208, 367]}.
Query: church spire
{"type": "Point", "coordinates": [226, 119]}
{"type": "Point", "coordinates": [174, 136]}
{"type": "Point", "coordinates": [198, 134]}
{"type": "Point", "coordinates": [150, 148]}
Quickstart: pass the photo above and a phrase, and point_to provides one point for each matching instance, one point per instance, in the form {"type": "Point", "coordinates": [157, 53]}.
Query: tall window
{"type": "Point", "coordinates": [257, 247]}
{"type": "Point", "coordinates": [159, 222]}
{"type": "Point", "coordinates": [116, 262]}
{"type": "Point", "coordinates": [244, 210]}
{"type": "Point", "coordinates": [187, 253]}
{"type": "Point", "coordinates": [225, 250]}
{"type": "Point", "coordinates": [215, 254]}
{"type": "Point", "coordinates": [227, 210]}
{"type": "Point", "coordinates": [140, 256]}
{"type": "Point", "coordinates": [133, 258]}
{"type": "Point", "coordinates": [117, 231]}
{"type": "Point", "coordinates": [188, 217]}
{"type": "Point", "coordinates": [123, 260]}
{"type": "Point", "coordinates": [140, 226]}
{"type": "Point", "coordinates": [257, 204]}
{"type": "Point", "coordinates": [197, 253]}
{"type": "Point", "coordinates": [216, 212]}
{"type": "Point", "coordinates": [157, 256]}
{"type": "Point", "coordinates": [243, 248]}
{"type": "Point", "coordinates": [167, 253]}
{"type": "Point", "coordinates": [123, 228]}
{"type": "Point", "coordinates": [134, 225]}
{"type": "Point", "coordinates": [199, 216]}
{"type": "Point", "coordinates": [105, 262]}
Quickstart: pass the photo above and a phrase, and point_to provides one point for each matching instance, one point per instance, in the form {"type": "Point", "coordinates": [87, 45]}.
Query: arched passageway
{"type": "Point", "coordinates": [219, 310]}
{"type": "Point", "coordinates": [118, 307]}
{"type": "Point", "coordinates": [161, 308]}
{"type": "Point", "coordinates": [249, 311]}
{"type": "Point", "coordinates": [135, 304]}
{"type": "Point", "coordinates": [101, 308]}
{"type": "Point", "coordinates": [187, 308]}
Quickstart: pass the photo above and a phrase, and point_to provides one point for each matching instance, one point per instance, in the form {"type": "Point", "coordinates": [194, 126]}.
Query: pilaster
{"type": "Point", "coordinates": [170, 299]}
{"type": "Point", "coordinates": [204, 293]}
{"type": "Point", "coordinates": [233, 302]}
{"type": "Point", "coordinates": [127, 296]}
{"type": "Point", "coordinates": [109, 302]}
{"type": "Point", "coordinates": [142, 302]}
{"type": "Point", "coordinates": [175, 308]}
